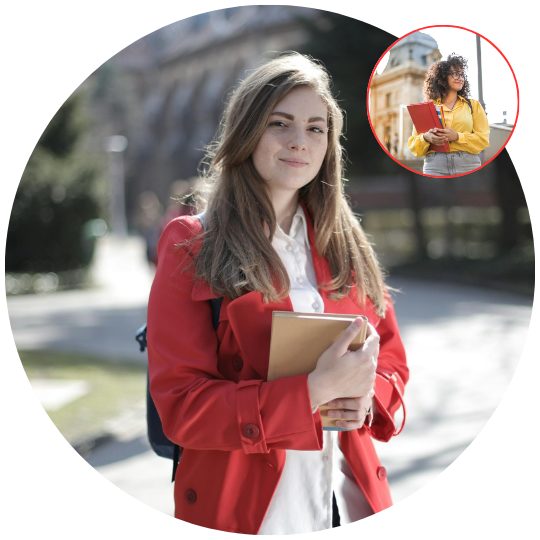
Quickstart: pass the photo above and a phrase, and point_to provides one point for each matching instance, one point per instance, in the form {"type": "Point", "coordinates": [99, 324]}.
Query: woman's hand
{"type": "Point", "coordinates": [341, 373]}
{"type": "Point", "coordinates": [351, 412]}
{"type": "Point", "coordinates": [432, 137]}
{"type": "Point", "coordinates": [448, 133]}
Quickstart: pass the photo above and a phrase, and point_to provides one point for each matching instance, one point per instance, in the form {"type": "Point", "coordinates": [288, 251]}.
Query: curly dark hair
{"type": "Point", "coordinates": [436, 83]}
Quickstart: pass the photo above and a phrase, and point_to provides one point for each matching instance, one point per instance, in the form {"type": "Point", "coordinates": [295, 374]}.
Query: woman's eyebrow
{"type": "Point", "coordinates": [291, 117]}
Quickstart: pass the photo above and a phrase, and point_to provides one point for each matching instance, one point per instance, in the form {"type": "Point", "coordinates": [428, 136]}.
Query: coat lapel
{"type": "Point", "coordinates": [320, 264]}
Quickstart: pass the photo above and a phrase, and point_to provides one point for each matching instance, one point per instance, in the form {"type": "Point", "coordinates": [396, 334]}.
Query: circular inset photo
{"type": "Point", "coordinates": [443, 101]}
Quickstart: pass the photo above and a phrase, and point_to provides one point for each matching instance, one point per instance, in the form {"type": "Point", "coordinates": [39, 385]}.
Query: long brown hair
{"type": "Point", "coordinates": [236, 254]}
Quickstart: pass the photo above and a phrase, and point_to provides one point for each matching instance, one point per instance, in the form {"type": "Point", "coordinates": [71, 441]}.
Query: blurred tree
{"type": "Point", "coordinates": [350, 49]}
{"type": "Point", "coordinates": [55, 197]}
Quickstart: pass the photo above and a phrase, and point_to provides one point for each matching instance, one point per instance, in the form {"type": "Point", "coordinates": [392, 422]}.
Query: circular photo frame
{"type": "Point", "coordinates": [443, 101]}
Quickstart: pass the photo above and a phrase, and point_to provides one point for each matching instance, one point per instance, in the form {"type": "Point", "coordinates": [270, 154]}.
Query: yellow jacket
{"type": "Point", "coordinates": [473, 129]}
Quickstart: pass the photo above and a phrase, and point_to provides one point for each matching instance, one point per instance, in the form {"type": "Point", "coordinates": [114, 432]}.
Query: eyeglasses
{"type": "Point", "coordinates": [458, 76]}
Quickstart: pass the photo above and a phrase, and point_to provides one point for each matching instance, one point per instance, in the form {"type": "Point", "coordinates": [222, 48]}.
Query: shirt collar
{"type": "Point", "coordinates": [299, 221]}
{"type": "Point", "coordinates": [438, 101]}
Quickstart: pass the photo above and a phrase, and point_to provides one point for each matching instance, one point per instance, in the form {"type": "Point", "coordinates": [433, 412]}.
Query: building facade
{"type": "Point", "coordinates": [176, 82]}
{"type": "Point", "coordinates": [400, 84]}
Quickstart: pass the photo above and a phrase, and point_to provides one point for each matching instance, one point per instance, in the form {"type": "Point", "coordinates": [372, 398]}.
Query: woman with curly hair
{"type": "Point", "coordinates": [278, 235]}
{"type": "Point", "coordinates": [467, 128]}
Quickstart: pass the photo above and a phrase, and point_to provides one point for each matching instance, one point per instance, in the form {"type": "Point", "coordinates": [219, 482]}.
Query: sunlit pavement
{"type": "Point", "coordinates": [100, 321]}
{"type": "Point", "coordinates": [463, 345]}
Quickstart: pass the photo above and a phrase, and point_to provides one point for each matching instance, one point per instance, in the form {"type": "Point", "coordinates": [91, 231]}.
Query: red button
{"type": "Point", "coordinates": [381, 473]}
{"type": "Point", "coordinates": [251, 431]}
{"type": "Point", "coordinates": [238, 364]}
{"type": "Point", "coordinates": [190, 496]}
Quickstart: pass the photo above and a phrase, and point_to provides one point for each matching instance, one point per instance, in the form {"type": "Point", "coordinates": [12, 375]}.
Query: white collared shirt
{"type": "Point", "coordinates": [302, 501]}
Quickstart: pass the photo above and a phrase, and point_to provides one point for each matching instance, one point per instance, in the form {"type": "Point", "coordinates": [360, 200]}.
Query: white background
{"type": "Point", "coordinates": [49, 48]}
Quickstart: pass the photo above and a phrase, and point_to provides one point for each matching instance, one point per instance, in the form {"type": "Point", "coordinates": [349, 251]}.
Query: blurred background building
{"type": "Point", "coordinates": [166, 92]}
{"type": "Point", "coordinates": [401, 83]}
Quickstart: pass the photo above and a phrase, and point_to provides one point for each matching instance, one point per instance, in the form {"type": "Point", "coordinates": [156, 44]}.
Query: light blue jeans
{"type": "Point", "coordinates": [450, 163]}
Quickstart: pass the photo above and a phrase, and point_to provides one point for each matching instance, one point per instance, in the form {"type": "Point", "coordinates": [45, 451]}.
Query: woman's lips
{"type": "Point", "coordinates": [294, 163]}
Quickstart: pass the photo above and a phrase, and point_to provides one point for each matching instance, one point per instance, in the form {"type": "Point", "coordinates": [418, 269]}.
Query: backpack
{"type": "Point", "coordinates": [161, 445]}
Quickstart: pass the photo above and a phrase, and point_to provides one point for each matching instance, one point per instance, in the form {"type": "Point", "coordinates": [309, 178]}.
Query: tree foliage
{"type": "Point", "coordinates": [54, 199]}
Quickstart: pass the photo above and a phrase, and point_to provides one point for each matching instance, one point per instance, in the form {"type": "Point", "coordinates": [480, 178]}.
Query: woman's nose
{"type": "Point", "coordinates": [298, 139]}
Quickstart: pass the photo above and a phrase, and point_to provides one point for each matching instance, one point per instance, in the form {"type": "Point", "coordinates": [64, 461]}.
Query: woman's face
{"type": "Point", "coordinates": [294, 143]}
{"type": "Point", "coordinates": [453, 82]}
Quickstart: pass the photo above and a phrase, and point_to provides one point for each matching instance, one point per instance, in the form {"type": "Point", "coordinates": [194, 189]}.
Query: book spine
{"type": "Point", "coordinates": [437, 119]}
{"type": "Point", "coordinates": [442, 117]}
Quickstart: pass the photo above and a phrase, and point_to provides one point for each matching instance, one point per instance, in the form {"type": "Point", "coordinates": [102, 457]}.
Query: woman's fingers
{"type": "Point", "coordinates": [371, 345]}
{"type": "Point", "coordinates": [354, 403]}
{"type": "Point", "coordinates": [341, 345]}
{"type": "Point", "coordinates": [371, 330]}
{"type": "Point", "coordinates": [345, 414]}
{"type": "Point", "coordinates": [372, 337]}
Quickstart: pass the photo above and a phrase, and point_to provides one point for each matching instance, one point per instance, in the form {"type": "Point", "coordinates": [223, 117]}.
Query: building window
{"type": "Point", "coordinates": [389, 100]}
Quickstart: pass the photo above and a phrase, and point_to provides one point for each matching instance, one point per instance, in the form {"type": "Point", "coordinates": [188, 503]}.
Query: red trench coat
{"type": "Point", "coordinates": [211, 393]}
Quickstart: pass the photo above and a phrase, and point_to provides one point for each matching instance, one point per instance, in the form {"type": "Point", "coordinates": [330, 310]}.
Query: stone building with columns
{"type": "Point", "coordinates": [171, 87]}
{"type": "Point", "coordinates": [400, 84]}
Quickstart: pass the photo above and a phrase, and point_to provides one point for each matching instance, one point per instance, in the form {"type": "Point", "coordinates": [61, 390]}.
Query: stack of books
{"type": "Point", "coordinates": [426, 116]}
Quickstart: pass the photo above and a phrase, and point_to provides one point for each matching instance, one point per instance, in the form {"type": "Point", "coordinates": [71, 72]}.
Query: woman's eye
{"type": "Point", "coordinates": [280, 124]}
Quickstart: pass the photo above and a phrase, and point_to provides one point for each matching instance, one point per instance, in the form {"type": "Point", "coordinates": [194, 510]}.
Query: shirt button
{"type": "Point", "coordinates": [299, 280]}
{"type": "Point", "coordinates": [325, 457]}
{"type": "Point", "coordinates": [238, 364]}
{"type": "Point", "coordinates": [288, 247]}
{"type": "Point", "coordinates": [190, 496]}
{"type": "Point", "coordinates": [315, 305]}
{"type": "Point", "coordinates": [251, 431]}
{"type": "Point", "coordinates": [381, 473]}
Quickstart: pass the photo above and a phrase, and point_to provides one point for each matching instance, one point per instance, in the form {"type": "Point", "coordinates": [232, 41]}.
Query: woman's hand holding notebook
{"type": "Point", "coordinates": [335, 353]}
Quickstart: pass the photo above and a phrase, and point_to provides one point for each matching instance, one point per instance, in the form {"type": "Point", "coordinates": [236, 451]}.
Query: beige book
{"type": "Point", "coordinates": [299, 339]}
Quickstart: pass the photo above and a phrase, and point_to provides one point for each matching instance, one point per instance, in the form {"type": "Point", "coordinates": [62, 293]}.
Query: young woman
{"type": "Point", "coordinates": [278, 235]}
{"type": "Point", "coordinates": [467, 128]}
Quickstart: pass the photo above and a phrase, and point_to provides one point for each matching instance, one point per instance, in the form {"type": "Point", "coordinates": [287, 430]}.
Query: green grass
{"type": "Point", "coordinates": [115, 387]}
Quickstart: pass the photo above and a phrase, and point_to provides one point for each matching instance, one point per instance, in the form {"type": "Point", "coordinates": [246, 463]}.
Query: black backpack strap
{"type": "Point", "coordinates": [176, 460]}
{"type": "Point", "coordinates": [469, 103]}
{"type": "Point", "coordinates": [140, 336]}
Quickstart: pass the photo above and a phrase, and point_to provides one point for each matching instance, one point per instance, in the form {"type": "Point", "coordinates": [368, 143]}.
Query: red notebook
{"type": "Point", "coordinates": [425, 117]}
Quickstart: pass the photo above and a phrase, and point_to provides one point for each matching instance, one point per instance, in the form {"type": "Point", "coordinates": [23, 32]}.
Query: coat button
{"type": "Point", "coordinates": [251, 431]}
{"type": "Point", "coordinates": [190, 496]}
{"type": "Point", "coordinates": [381, 473]}
{"type": "Point", "coordinates": [238, 364]}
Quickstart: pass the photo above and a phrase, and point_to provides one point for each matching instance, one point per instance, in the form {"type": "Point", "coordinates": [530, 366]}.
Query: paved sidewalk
{"type": "Point", "coordinates": [100, 321]}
